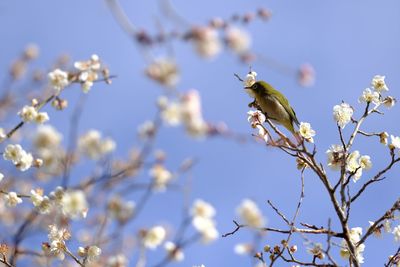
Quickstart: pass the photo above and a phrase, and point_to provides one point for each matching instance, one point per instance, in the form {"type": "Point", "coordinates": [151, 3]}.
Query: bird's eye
{"type": "Point", "coordinates": [255, 86]}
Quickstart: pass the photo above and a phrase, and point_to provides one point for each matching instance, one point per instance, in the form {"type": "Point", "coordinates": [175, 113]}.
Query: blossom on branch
{"type": "Point", "coordinates": [342, 114]}
{"type": "Point", "coordinates": [306, 132]}
{"type": "Point", "coordinates": [378, 82]}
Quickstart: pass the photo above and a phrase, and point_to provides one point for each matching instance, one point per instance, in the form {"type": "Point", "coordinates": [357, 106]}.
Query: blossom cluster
{"type": "Point", "coordinates": [202, 219]}
{"type": "Point", "coordinates": [186, 111]}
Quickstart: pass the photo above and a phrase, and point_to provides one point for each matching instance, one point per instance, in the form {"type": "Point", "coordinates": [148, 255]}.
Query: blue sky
{"type": "Point", "coordinates": [347, 42]}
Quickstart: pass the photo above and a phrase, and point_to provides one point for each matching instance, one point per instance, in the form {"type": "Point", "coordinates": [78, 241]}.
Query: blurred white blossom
{"type": "Point", "coordinates": [46, 136]}
{"type": "Point", "coordinates": [121, 210]}
{"type": "Point", "coordinates": [206, 41]}
{"type": "Point", "coordinates": [172, 114]}
{"type": "Point", "coordinates": [12, 199]}
{"type": "Point", "coordinates": [154, 237]}
{"type": "Point", "coordinates": [317, 251]}
{"type": "Point", "coordinates": [249, 212]}
{"type": "Point", "coordinates": [202, 220]}
{"type": "Point", "coordinates": [146, 129]}
{"type": "Point", "coordinates": [163, 70]}
{"type": "Point", "coordinates": [174, 252]}
{"type": "Point", "coordinates": [243, 248]}
{"type": "Point", "coordinates": [192, 115]}
{"type": "Point", "coordinates": [161, 177]}
{"type": "Point", "coordinates": [94, 146]}
{"type": "Point", "coordinates": [118, 260]}
{"type": "Point", "coordinates": [93, 253]}
{"type": "Point", "coordinates": [238, 40]}
{"type": "Point", "coordinates": [342, 114]}
{"type": "Point", "coordinates": [74, 204]}
{"type": "Point", "coordinates": [202, 208]}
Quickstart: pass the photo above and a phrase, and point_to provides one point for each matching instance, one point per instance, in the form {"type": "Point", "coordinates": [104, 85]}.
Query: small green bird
{"type": "Point", "coordinates": [273, 104]}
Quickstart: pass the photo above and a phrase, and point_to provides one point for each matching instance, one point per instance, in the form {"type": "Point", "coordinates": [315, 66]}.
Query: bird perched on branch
{"type": "Point", "coordinates": [273, 104]}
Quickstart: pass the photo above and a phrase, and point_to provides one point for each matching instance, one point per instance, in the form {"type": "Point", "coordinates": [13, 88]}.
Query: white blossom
{"type": "Point", "coordinates": [161, 177]}
{"type": "Point", "coordinates": [342, 114]}
{"type": "Point", "coordinates": [3, 134]}
{"type": "Point", "coordinates": [174, 252]}
{"type": "Point", "coordinates": [12, 199]}
{"type": "Point", "coordinates": [118, 260]}
{"type": "Point", "coordinates": [41, 117]}
{"type": "Point", "coordinates": [154, 237]}
{"type": "Point", "coordinates": [355, 234]}
{"type": "Point", "coordinates": [172, 114]}
{"type": "Point", "coordinates": [255, 117]}
{"type": "Point", "coordinates": [378, 82]}
{"type": "Point", "coordinates": [249, 212]}
{"type": "Point", "coordinates": [365, 162]}
{"type": "Point", "coordinates": [317, 251]}
{"type": "Point", "coordinates": [18, 156]}
{"type": "Point", "coordinates": [163, 70]}
{"type": "Point", "coordinates": [93, 253]}
{"type": "Point", "coordinates": [1, 176]}
{"type": "Point", "coordinates": [94, 146]}
{"type": "Point", "coordinates": [237, 39]}
{"type": "Point", "coordinates": [74, 204]}
{"type": "Point", "coordinates": [121, 210]}
{"type": "Point", "coordinates": [202, 220]}
{"type": "Point", "coordinates": [58, 79]}
{"type": "Point", "coordinates": [335, 156]}
{"type": "Point", "coordinates": [307, 132]}
{"type": "Point", "coordinates": [28, 113]}
{"type": "Point", "coordinates": [396, 233]}
{"type": "Point", "coordinates": [243, 248]}
{"type": "Point", "coordinates": [191, 114]}
{"type": "Point", "coordinates": [88, 72]}
{"type": "Point", "coordinates": [395, 142]}
{"type": "Point", "coordinates": [387, 226]}
{"type": "Point", "coordinates": [25, 162]}
{"type": "Point", "coordinates": [203, 209]}
{"type": "Point", "coordinates": [250, 79]}
{"type": "Point", "coordinates": [262, 133]}
{"type": "Point", "coordinates": [146, 130]}
{"type": "Point", "coordinates": [206, 227]}
{"type": "Point", "coordinates": [57, 248]}
{"type": "Point", "coordinates": [369, 96]}
{"type": "Point", "coordinates": [353, 165]}
{"type": "Point", "coordinates": [46, 136]}
{"type": "Point", "coordinates": [206, 41]}
{"type": "Point", "coordinates": [383, 138]}
{"type": "Point", "coordinates": [13, 153]}
{"type": "Point", "coordinates": [389, 101]}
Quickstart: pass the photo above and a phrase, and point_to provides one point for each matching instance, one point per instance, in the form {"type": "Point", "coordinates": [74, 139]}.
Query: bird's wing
{"type": "Point", "coordinates": [285, 103]}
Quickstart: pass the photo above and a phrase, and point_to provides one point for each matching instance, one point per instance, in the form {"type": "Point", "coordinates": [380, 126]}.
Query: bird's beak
{"type": "Point", "coordinates": [247, 87]}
